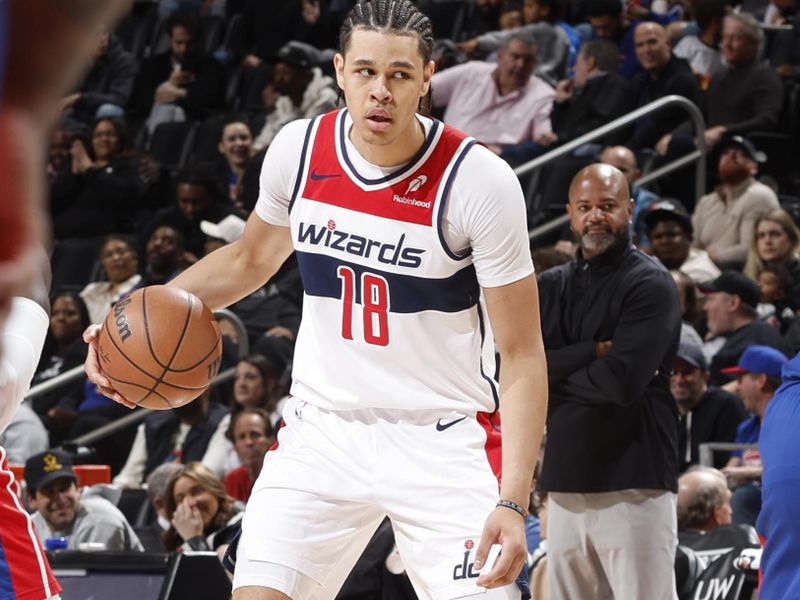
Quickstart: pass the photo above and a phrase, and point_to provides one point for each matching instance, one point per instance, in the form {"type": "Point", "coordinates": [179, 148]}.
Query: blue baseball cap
{"type": "Point", "coordinates": [759, 359]}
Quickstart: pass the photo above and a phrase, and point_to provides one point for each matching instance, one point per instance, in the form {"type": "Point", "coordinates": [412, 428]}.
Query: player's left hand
{"type": "Point", "coordinates": [93, 371]}
{"type": "Point", "coordinates": [507, 528]}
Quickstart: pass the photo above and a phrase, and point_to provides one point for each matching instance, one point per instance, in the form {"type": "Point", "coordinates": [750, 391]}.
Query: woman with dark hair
{"type": "Point", "coordinates": [236, 149]}
{"type": "Point", "coordinates": [201, 514]}
{"type": "Point", "coordinates": [63, 350]}
{"type": "Point", "coordinates": [120, 262]}
{"type": "Point", "coordinates": [776, 243]}
{"type": "Point", "coordinates": [102, 191]}
{"type": "Point", "coordinates": [255, 386]}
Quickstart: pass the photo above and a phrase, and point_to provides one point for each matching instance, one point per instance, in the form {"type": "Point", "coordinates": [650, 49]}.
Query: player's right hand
{"type": "Point", "coordinates": [93, 371]}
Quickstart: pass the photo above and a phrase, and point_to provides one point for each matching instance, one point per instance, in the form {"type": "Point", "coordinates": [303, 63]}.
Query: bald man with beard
{"type": "Point", "coordinates": [611, 323]}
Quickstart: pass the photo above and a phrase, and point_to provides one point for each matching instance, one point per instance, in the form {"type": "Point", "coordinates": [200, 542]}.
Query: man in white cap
{"type": "Point", "coordinates": [228, 230]}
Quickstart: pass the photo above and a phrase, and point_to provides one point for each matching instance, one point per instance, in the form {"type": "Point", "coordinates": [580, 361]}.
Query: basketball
{"type": "Point", "coordinates": [160, 347]}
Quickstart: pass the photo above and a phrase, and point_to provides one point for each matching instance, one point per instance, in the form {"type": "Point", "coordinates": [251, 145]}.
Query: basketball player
{"type": "Point", "coordinates": [412, 247]}
{"type": "Point", "coordinates": [44, 46]}
{"type": "Point", "coordinates": [24, 570]}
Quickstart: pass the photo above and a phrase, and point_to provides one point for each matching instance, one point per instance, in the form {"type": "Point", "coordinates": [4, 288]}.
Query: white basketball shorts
{"type": "Point", "coordinates": [335, 475]}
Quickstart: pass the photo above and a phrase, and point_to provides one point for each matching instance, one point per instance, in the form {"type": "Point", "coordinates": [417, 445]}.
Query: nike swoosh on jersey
{"type": "Point", "coordinates": [442, 426]}
{"type": "Point", "coordinates": [318, 176]}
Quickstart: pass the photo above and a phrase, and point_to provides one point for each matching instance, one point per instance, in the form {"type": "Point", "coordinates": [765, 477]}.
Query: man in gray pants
{"type": "Point", "coordinates": [611, 323]}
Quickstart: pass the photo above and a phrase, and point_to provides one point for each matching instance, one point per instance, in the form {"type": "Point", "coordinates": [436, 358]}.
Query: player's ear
{"type": "Point", "coordinates": [338, 65]}
{"type": "Point", "coordinates": [427, 75]}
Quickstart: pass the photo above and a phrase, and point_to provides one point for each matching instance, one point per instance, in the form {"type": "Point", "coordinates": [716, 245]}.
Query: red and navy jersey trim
{"type": "Point", "coordinates": [445, 195]}
{"type": "Point", "coordinates": [300, 168]}
{"type": "Point", "coordinates": [410, 294]}
{"type": "Point", "coordinates": [492, 383]}
{"type": "Point", "coordinates": [408, 195]}
{"type": "Point", "coordinates": [399, 172]}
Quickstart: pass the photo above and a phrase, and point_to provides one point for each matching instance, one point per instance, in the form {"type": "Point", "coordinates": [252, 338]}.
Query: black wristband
{"type": "Point", "coordinates": [513, 506]}
{"type": "Point", "coordinates": [198, 542]}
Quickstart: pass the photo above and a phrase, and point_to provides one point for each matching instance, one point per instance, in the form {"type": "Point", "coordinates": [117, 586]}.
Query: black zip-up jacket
{"type": "Point", "coordinates": [612, 423]}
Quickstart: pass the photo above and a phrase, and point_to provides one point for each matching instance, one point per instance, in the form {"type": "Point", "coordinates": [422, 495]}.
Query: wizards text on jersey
{"type": "Point", "coordinates": [389, 253]}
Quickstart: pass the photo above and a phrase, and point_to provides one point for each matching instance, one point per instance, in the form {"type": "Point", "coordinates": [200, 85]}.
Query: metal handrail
{"type": "Point", "coordinates": [75, 373]}
{"type": "Point", "coordinates": [134, 418]}
{"type": "Point", "coordinates": [707, 450]}
{"type": "Point", "coordinates": [698, 155]}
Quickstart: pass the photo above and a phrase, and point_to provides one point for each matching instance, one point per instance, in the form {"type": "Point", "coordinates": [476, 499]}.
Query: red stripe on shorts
{"type": "Point", "coordinates": [494, 451]}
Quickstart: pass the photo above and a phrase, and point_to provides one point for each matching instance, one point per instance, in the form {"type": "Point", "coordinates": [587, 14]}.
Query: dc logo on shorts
{"type": "Point", "coordinates": [465, 570]}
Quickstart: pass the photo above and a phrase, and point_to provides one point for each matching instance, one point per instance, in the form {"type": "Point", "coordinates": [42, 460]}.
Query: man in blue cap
{"type": "Point", "coordinates": [759, 375]}
{"type": "Point", "coordinates": [780, 481]}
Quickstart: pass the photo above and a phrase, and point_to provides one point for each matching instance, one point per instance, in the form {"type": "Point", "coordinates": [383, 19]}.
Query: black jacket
{"type": "Point", "coordinates": [756, 332]}
{"type": "Point", "coordinates": [98, 202]}
{"type": "Point", "coordinates": [603, 99]}
{"type": "Point", "coordinates": [612, 422]}
{"type": "Point", "coordinates": [675, 78]}
{"type": "Point", "coordinates": [715, 419]}
{"type": "Point", "coordinates": [109, 81]}
{"type": "Point", "coordinates": [160, 427]}
{"type": "Point", "coordinates": [204, 94]}
{"type": "Point", "coordinates": [745, 99]}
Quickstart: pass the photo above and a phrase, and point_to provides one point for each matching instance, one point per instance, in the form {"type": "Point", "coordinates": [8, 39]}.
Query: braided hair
{"type": "Point", "coordinates": [398, 17]}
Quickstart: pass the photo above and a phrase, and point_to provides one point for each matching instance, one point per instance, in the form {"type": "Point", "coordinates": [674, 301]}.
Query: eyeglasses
{"type": "Point", "coordinates": [112, 253]}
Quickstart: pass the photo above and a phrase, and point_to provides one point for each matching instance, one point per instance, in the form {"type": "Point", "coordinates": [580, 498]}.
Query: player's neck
{"type": "Point", "coordinates": [398, 152]}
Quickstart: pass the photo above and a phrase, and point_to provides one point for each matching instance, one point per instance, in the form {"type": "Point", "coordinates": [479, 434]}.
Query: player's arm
{"type": "Point", "coordinates": [238, 269]}
{"type": "Point", "coordinates": [219, 279]}
{"type": "Point", "coordinates": [514, 317]}
{"type": "Point", "coordinates": [235, 270]}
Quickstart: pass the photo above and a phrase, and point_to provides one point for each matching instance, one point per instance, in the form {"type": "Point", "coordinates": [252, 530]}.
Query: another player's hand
{"type": "Point", "coordinates": [507, 528]}
{"type": "Point", "coordinates": [93, 371]}
{"type": "Point", "coordinates": [187, 520]}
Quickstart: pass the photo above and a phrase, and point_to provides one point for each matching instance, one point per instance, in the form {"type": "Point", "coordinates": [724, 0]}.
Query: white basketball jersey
{"type": "Point", "coordinates": [392, 317]}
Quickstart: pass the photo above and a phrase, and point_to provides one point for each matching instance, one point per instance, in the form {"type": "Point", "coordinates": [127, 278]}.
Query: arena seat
{"type": "Point", "coordinates": [134, 503]}
{"type": "Point", "coordinates": [171, 143]}
{"type": "Point", "coordinates": [687, 569]}
{"type": "Point", "coordinates": [134, 32]}
{"type": "Point", "coordinates": [212, 30]}
{"type": "Point", "coordinates": [75, 263]}
{"type": "Point", "coordinates": [233, 81]}
{"type": "Point", "coordinates": [447, 17]}
{"type": "Point", "coordinates": [778, 148]}
{"type": "Point", "coordinates": [233, 32]}
{"type": "Point", "coordinates": [206, 139]}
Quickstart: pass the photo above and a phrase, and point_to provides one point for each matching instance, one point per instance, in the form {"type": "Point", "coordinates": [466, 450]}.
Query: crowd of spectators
{"type": "Point", "coordinates": [156, 159]}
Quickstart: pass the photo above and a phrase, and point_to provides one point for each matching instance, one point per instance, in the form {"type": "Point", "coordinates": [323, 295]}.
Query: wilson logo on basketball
{"type": "Point", "coordinates": [213, 367]}
{"type": "Point", "coordinates": [123, 329]}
